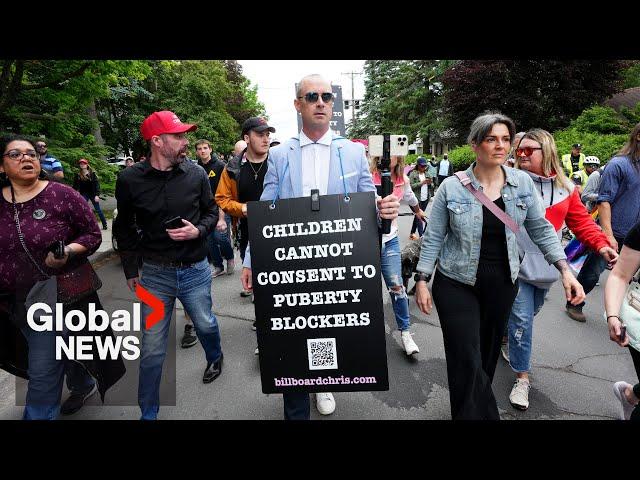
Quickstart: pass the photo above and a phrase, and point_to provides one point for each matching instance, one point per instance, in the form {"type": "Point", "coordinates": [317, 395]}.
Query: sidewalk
{"type": "Point", "coordinates": [106, 247]}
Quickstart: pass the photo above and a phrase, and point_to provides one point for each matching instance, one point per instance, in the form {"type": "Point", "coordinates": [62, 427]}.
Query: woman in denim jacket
{"type": "Point", "coordinates": [478, 264]}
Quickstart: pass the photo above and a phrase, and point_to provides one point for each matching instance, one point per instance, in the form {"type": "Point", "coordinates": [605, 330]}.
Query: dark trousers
{"type": "Point", "coordinates": [635, 355]}
{"type": "Point", "coordinates": [96, 206]}
{"type": "Point", "coordinates": [417, 223]}
{"type": "Point", "coordinates": [441, 179]}
{"type": "Point", "coordinates": [473, 319]}
{"type": "Point", "coordinates": [592, 268]}
{"type": "Point", "coordinates": [296, 406]}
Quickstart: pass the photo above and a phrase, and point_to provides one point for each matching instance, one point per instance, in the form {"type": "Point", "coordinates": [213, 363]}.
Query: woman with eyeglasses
{"type": "Point", "coordinates": [390, 263]}
{"type": "Point", "coordinates": [538, 157]}
{"type": "Point", "coordinates": [35, 215]}
{"type": "Point", "coordinates": [471, 235]}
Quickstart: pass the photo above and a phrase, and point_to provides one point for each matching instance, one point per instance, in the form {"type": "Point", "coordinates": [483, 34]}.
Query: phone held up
{"type": "Point", "coordinates": [172, 223]}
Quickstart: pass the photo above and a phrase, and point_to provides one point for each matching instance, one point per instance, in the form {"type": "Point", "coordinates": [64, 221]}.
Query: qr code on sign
{"type": "Point", "coordinates": [322, 353]}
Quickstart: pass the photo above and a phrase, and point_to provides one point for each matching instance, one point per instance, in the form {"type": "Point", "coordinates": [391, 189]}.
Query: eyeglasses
{"type": "Point", "coordinates": [15, 155]}
{"type": "Point", "coordinates": [312, 97]}
{"type": "Point", "coordinates": [526, 151]}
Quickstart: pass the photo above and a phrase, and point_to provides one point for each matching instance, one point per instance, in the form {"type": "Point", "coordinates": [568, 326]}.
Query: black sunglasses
{"type": "Point", "coordinates": [312, 97]}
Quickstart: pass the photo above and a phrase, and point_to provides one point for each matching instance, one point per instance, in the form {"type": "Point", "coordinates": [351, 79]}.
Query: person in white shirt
{"type": "Point", "coordinates": [445, 169]}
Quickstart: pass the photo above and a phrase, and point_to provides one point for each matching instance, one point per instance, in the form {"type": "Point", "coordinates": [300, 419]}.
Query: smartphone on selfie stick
{"type": "Point", "coordinates": [384, 146]}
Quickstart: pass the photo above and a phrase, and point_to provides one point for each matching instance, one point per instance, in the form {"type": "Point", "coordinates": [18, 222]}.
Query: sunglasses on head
{"type": "Point", "coordinates": [526, 151]}
{"type": "Point", "coordinates": [312, 97]}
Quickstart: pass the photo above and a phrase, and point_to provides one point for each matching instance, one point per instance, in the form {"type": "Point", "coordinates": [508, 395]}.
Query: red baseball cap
{"type": "Point", "coordinates": [83, 160]}
{"type": "Point", "coordinates": [164, 122]}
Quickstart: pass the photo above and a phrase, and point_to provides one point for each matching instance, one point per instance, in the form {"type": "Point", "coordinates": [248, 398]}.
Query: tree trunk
{"type": "Point", "coordinates": [93, 113]}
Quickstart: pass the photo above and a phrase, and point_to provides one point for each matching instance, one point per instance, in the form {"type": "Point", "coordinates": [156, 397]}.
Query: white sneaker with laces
{"type": "Point", "coordinates": [325, 403]}
{"type": "Point", "coordinates": [519, 396]}
{"type": "Point", "coordinates": [625, 407]}
{"type": "Point", "coordinates": [407, 342]}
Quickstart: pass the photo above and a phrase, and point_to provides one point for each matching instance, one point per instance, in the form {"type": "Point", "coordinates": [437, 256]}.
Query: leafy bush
{"type": "Point", "coordinates": [461, 157]}
{"type": "Point", "coordinates": [601, 131]}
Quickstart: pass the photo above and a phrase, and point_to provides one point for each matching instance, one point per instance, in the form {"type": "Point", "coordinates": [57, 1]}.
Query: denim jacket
{"type": "Point", "coordinates": [454, 232]}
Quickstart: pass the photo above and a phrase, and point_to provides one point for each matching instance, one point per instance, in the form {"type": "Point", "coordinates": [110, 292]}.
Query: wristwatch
{"type": "Point", "coordinates": [418, 277]}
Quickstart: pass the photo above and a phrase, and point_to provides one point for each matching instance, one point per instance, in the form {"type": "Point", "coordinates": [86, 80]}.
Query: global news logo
{"type": "Point", "coordinates": [41, 318]}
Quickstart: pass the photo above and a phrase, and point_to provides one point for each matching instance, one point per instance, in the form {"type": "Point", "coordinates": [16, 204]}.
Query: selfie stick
{"type": "Point", "coordinates": [385, 176]}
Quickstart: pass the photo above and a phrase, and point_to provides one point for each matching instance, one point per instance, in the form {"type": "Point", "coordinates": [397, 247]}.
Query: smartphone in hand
{"type": "Point", "coordinates": [623, 333]}
{"type": "Point", "coordinates": [172, 223]}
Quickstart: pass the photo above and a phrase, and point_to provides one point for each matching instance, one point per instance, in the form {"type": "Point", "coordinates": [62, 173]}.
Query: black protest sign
{"type": "Point", "coordinates": [318, 295]}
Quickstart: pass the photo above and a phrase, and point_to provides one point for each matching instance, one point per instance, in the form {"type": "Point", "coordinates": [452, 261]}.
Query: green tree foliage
{"type": "Point", "coordinates": [461, 157]}
{"type": "Point", "coordinates": [534, 93]}
{"type": "Point", "coordinates": [631, 75]}
{"type": "Point", "coordinates": [402, 96]}
{"type": "Point", "coordinates": [93, 108]}
{"type": "Point", "coordinates": [601, 131]}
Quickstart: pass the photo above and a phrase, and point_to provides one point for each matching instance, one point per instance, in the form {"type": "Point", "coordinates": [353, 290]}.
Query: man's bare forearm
{"type": "Point", "coordinates": [562, 266]}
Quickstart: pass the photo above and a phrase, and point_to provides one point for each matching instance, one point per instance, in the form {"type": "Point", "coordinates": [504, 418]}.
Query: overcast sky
{"type": "Point", "coordinates": [276, 81]}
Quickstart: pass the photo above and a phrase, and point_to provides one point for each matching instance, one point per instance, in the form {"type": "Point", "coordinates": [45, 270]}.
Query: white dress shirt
{"type": "Point", "coordinates": [316, 159]}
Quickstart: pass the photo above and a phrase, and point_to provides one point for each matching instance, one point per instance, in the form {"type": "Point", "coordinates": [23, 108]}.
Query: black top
{"type": "Point", "coordinates": [632, 240]}
{"type": "Point", "coordinates": [575, 163]}
{"type": "Point", "coordinates": [250, 187]}
{"type": "Point", "coordinates": [214, 169]}
{"type": "Point", "coordinates": [152, 197]}
{"type": "Point", "coordinates": [493, 247]}
{"type": "Point", "coordinates": [89, 187]}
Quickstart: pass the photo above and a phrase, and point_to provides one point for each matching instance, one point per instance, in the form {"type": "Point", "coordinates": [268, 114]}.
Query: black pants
{"type": "Point", "coordinates": [417, 223]}
{"type": "Point", "coordinates": [473, 320]}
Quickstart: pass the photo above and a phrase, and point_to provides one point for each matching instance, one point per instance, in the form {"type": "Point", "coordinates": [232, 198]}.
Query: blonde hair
{"type": "Point", "coordinates": [398, 171]}
{"type": "Point", "coordinates": [550, 159]}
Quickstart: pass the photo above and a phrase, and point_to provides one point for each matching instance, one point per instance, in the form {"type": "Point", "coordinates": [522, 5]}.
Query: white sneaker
{"type": "Point", "coordinates": [625, 407]}
{"type": "Point", "coordinates": [325, 403]}
{"type": "Point", "coordinates": [256, 351]}
{"type": "Point", "coordinates": [407, 342]}
{"type": "Point", "coordinates": [519, 396]}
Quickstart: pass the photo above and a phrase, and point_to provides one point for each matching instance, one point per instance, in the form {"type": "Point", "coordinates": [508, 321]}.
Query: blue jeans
{"type": "Point", "coordinates": [392, 273]}
{"type": "Point", "coordinates": [192, 286]}
{"type": "Point", "coordinates": [96, 206]}
{"type": "Point", "coordinates": [417, 223]}
{"type": "Point", "coordinates": [527, 304]}
{"type": "Point", "coordinates": [46, 375]}
{"type": "Point", "coordinates": [219, 244]}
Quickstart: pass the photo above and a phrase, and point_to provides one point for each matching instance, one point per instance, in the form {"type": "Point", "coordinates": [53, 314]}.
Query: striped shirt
{"type": "Point", "coordinates": [51, 164]}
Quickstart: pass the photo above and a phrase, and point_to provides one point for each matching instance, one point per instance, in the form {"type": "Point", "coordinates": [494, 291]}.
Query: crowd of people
{"type": "Point", "coordinates": [491, 245]}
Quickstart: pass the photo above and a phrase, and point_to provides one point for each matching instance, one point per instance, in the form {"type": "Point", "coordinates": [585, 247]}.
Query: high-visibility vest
{"type": "Point", "coordinates": [568, 166]}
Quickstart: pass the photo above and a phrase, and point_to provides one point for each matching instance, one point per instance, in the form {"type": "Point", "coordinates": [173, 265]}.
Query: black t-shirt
{"type": "Point", "coordinates": [214, 169]}
{"type": "Point", "coordinates": [250, 183]}
{"type": "Point", "coordinates": [632, 240]}
{"type": "Point", "coordinates": [493, 247]}
{"type": "Point", "coordinates": [575, 163]}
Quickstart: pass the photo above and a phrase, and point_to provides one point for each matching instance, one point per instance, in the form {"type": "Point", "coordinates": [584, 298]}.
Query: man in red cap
{"type": "Point", "coordinates": [169, 200]}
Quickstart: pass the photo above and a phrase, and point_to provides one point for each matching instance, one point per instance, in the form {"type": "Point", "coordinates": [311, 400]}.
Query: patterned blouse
{"type": "Point", "coordinates": [57, 213]}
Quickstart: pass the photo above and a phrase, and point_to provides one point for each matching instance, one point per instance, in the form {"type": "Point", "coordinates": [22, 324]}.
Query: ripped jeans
{"type": "Point", "coordinates": [527, 304]}
{"type": "Point", "coordinates": [392, 273]}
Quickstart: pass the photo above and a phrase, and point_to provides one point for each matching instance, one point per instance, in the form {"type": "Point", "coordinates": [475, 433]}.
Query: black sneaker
{"type": "Point", "coordinates": [189, 339]}
{"type": "Point", "coordinates": [575, 312]}
{"type": "Point", "coordinates": [76, 400]}
{"type": "Point", "coordinates": [253, 327]}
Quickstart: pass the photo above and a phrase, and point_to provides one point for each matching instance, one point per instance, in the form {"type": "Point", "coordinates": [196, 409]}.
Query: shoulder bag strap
{"type": "Point", "coordinates": [21, 236]}
{"type": "Point", "coordinates": [493, 208]}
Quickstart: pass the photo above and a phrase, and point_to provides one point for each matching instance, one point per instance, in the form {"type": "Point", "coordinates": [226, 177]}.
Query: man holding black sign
{"type": "Point", "coordinates": [304, 163]}
{"type": "Point", "coordinates": [170, 200]}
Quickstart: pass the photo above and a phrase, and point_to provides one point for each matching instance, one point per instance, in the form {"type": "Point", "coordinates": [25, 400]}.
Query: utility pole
{"type": "Point", "coordinates": [353, 100]}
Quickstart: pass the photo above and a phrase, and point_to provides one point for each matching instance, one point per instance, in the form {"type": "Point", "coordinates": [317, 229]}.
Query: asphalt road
{"type": "Point", "coordinates": [574, 366]}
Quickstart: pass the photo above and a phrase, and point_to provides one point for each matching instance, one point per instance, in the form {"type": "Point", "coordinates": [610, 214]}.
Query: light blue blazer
{"type": "Point", "coordinates": [348, 172]}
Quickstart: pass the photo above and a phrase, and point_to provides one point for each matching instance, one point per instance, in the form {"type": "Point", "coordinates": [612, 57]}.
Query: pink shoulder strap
{"type": "Point", "coordinates": [493, 208]}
